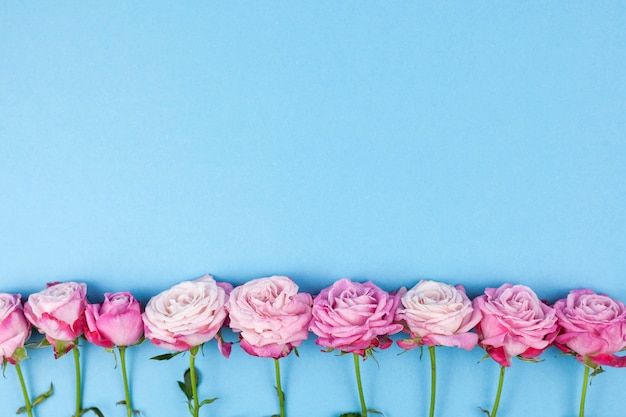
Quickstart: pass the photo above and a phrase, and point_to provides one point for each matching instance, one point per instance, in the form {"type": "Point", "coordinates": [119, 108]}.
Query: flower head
{"type": "Point", "coordinates": [271, 315]}
{"type": "Point", "coordinates": [354, 317]}
{"type": "Point", "coordinates": [514, 323]}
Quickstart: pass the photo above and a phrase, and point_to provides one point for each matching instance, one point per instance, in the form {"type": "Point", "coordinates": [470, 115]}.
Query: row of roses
{"type": "Point", "coordinates": [272, 318]}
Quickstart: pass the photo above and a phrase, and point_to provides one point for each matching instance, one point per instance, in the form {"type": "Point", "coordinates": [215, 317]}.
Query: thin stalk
{"type": "Point", "coordinates": [281, 395]}
{"type": "Point", "coordinates": [129, 409]}
{"type": "Point", "coordinates": [494, 411]}
{"type": "Point", "coordinates": [192, 376]}
{"type": "Point", "coordinates": [79, 405]}
{"type": "Point", "coordinates": [357, 370]}
{"type": "Point", "coordinates": [29, 409]}
{"type": "Point", "coordinates": [584, 393]}
{"type": "Point", "coordinates": [433, 379]}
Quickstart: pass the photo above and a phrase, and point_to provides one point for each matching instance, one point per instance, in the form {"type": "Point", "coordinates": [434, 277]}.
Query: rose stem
{"type": "Point", "coordinates": [24, 391]}
{"type": "Point", "coordinates": [584, 393]}
{"type": "Point", "coordinates": [281, 395]}
{"type": "Point", "coordinates": [192, 375]}
{"type": "Point", "coordinates": [433, 379]}
{"type": "Point", "coordinates": [497, 402]}
{"type": "Point", "coordinates": [122, 350]}
{"type": "Point", "coordinates": [79, 406]}
{"type": "Point", "coordinates": [357, 370]}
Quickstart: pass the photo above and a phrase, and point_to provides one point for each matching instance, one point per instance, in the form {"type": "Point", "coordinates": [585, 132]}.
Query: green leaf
{"type": "Point", "coordinates": [94, 410]}
{"type": "Point", "coordinates": [165, 356]}
{"type": "Point", "coordinates": [595, 373]}
{"type": "Point", "coordinates": [41, 398]}
{"type": "Point", "coordinates": [485, 411]}
{"type": "Point", "coordinates": [371, 410]}
{"type": "Point", "coordinates": [123, 402]}
{"type": "Point", "coordinates": [19, 354]}
{"type": "Point", "coordinates": [351, 415]}
{"type": "Point", "coordinates": [21, 410]}
{"type": "Point", "coordinates": [190, 408]}
{"type": "Point", "coordinates": [295, 351]}
{"type": "Point", "coordinates": [186, 390]}
{"type": "Point", "coordinates": [209, 401]}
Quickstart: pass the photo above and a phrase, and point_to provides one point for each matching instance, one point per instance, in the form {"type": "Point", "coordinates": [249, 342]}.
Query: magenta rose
{"type": "Point", "coordinates": [14, 328]}
{"type": "Point", "coordinates": [354, 317]}
{"type": "Point", "coordinates": [593, 327]}
{"type": "Point", "coordinates": [514, 323]}
{"type": "Point", "coordinates": [271, 315]}
{"type": "Point", "coordinates": [59, 313]}
{"type": "Point", "coordinates": [437, 314]}
{"type": "Point", "coordinates": [187, 315]}
{"type": "Point", "coordinates": [115, 322]}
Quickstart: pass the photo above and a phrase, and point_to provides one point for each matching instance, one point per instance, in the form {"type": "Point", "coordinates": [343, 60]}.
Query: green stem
{"type": "Point", "coordinates": [584, 393]}
{"type": "Point", "coordinates": [192, 375]}
{"type": "Point", "coordinates": [433, 379]}
{"type": "Point", "coordinates": [29, 408]}
{"type": "Point", "coordinates": [281, 395]}
{"type": "Point", "coordinates": [122, 350]}
{"type": "Point", "coordinates": [79, 406]}
{"type": "Point", "coordinates": [357, 370]}
{"type": "Point", "coordinates": [494, 411]}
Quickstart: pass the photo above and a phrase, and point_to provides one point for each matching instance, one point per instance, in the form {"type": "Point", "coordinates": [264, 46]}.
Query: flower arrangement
{"type": "Point", "coordinates": [272, 318]}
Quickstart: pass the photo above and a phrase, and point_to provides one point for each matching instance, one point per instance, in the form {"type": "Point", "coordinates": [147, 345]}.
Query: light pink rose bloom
{"type": "Point", "coordinates": [437, 314]}
{"type": "Point", "coordinates": [271, 316]}
{"type": "Point", "coordinates": [187, 315]}
{"type": "Point", "coordinates": [115, 322]}
{"type": "Point", "coordinates": [353, 317]}
{"type": "Point", "coordinates": [59, 313]}
{"type": "Point", "coordinates": [514, 323]}
{"type": "Point", "coordinates": [593, 326]}
{"type": "Point", "coordinates": [14, 328]}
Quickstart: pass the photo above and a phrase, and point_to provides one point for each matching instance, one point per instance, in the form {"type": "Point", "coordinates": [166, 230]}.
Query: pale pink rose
{"type": "Point", "coordinates": [59, 313]}
{"type": "Point", "coordinates": [437, 314]}
{"type": "Point", "coordinates": [187, 315]}
{"type": "Point", "coordinates": [14, 328]}
{"type": "Point", "coordinates": [115, 322]}
{"type": "Point", "coordinates": [271, 316]}
{"type": "Point", "coordinates": [593, 326]}
{"type": "Point", "coordinates": [353, 317]}
{"type": "Point", "coordinates": [514, 323]}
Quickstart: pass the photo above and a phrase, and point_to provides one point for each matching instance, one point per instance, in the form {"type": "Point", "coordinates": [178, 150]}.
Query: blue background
{"type": "Point", "coordinates": [146, 143]}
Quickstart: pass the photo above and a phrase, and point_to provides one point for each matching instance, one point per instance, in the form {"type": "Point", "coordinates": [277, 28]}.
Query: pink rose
{"type": "Point", "coordinates": [14, 328]}
{"type": "Point", "coordinates": [354, 317]}
{"type": "Point", "coordinates": [437, 314]}
{"type": "Point", "coordinates": [514, 323]}
{"type": "Point", "coordinates": [117, 322]}
{"type": "Point", "coordinates": [593, 326]}
{"type": "Point", "coordinates": [187, 315]}
{"type": "Point", "coordinates": [271, 316]}
{"type": "Point", "coordinates": [59, 313]}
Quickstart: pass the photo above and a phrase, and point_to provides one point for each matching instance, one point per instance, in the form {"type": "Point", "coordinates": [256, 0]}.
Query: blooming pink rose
{"type": "Point", "coordinates": [437, 314]}
{"type": "Point", "coordinates": [59, 313]}
{"type": "Point", "coordinates": [353, 317]}
{"type": "Point", "coordinates": [117, 322]}
{"type": "Point", "coordinates": [514, 323]}
{"type": "Point", "coordinates": [14, 328]}
{"type": "Point", "coordinates": [187, 315]}
{"type": "Point", "coordinates": [271, 316]}
{"type": "Point", "coordinates": [593, 326]}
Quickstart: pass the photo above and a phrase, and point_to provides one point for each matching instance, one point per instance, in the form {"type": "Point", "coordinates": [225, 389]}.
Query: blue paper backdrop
{"type": "Point", "coordinates": [147, 143]}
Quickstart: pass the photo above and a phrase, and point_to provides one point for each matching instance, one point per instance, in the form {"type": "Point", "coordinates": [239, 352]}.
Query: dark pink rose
{"type": "Point", "coordinates": [59, 313]}
{"type": "Point", "coordinates": [353, 317]}
{"type": "Point", "coordinates": [437, 314]}
{"type": "Point", "coordinates": [14, 328]}
{"type": "Point", "coordinates": [593, 326]}
{"type": "Point", "coordinates": [187, 315]}
{"type": "Point", "coordinates": [271, 315]}
{"type": "Point", "coordinates": [115, 322]}
{"type": "Point", "coordinates": [514, 323]}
